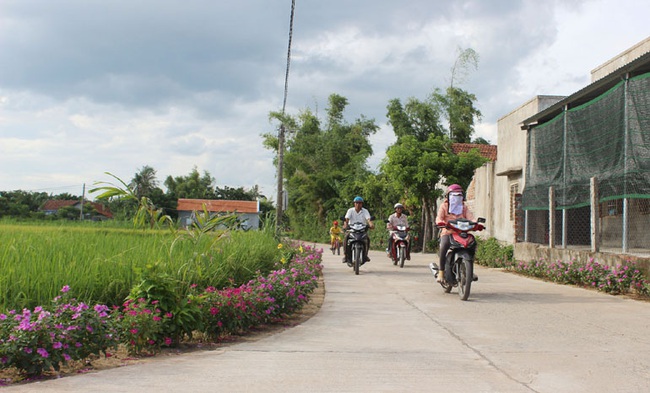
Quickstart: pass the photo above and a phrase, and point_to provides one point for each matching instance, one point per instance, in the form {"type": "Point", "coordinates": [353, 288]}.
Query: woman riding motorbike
{"type": "Point", "coordinates": [452, 208]}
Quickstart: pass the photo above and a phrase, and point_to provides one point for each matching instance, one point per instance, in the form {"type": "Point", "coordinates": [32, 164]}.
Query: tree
{"type": "Point", "coordinates": [422, 158]}
{"type": "Point", "coordinates": [456, 103]}
{"type": "Point", "coordinates": [194, 185]}
{"type": "Point", "coordinates": [458, 106]}
{"type": "Point", "coordinates": [322, 161]}
{"type": "Point", "coordinates": [144, 182]}
{"type": "Point", "coordinates": [237, 194]}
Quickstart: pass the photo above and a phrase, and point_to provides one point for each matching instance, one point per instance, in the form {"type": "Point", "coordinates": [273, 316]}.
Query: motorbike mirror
{"type": "Point", "coordinates": [481, 220]}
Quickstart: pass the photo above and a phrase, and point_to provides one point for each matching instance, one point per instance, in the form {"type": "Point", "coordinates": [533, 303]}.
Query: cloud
{"type": "Point", "coordinates": [91, 86]}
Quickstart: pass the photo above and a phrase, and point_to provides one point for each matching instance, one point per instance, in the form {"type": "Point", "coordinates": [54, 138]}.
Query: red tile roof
{"type": "Point", "coordinates": [487, 151]}
{"type": "Point", "coordinates": [220, 205]}
{"type": "Point", "coordinates": [54, 205]}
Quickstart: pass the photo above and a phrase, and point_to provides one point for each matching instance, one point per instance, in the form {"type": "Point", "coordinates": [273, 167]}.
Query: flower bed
{"type": "Point", "coordinates": [43, 339]}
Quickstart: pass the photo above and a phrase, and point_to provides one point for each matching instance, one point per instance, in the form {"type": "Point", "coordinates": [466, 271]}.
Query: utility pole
{"type": "Point", "coordinates": [83, 195]}
{"type": "Point", "coordinates": [279, 209]}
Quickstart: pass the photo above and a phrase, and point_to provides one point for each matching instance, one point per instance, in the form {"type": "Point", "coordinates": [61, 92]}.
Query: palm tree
{"type": "Point", "coordinates": [144, 182]}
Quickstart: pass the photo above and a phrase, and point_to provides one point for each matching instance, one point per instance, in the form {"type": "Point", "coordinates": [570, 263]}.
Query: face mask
{"type": "Point", "coordinates": [456, 204]}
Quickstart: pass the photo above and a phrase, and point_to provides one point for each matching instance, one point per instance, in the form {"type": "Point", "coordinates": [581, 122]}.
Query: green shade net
{"type": "Point", "coordinates": [596, 139]}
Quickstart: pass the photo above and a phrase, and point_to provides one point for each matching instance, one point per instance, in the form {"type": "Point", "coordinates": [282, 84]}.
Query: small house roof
{"type": "Point", "coordinates": [218, 205]}
{"type": "Point", "coordinates": [56, 204]}
{"type": "Point", "coordinates": [487, 151]}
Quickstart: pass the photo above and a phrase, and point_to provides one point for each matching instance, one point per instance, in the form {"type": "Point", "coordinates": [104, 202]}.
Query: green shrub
{"type": "Point", "coordinates": [491, 253]}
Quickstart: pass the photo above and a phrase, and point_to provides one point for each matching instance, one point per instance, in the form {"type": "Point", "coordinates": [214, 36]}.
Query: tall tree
{"type": "Point", "coordinates": [456, 103]}
{"type": "Point", "coordinates": [194, 185]}
{"type": "Point", "coordinates": [458, 107]}
{"type": "Point", "coordinates": [421, 159]}
{"type": "Point", "coordinates": [322, 161]}
{"type": "Point", "coordinates": [144, 182]}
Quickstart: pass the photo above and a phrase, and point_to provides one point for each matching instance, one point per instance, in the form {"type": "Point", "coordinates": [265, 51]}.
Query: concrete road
{"type": "Point", "coordinates": [394, 330]}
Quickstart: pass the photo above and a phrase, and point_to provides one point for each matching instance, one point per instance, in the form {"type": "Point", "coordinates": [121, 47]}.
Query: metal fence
{"type": "Point", "coordinates": [615, 225]}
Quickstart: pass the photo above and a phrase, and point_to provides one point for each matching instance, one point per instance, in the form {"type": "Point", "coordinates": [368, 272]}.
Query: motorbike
{"type": "Point", "coordinates": [400, 249]}
{"type": "Point", "coordinates": [459, 265]}
{"type": "Point", "coordinates": [358, 233]}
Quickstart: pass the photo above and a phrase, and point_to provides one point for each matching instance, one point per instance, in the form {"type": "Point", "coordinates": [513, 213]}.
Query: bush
{"type": "Point", "coordinates": [492, 254]}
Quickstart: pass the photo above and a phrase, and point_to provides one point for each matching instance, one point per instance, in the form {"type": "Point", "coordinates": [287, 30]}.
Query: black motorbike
{"type": "Point", "coordinates": [459, 265]}
{"type": "Point", "coordinates": [357, 235]}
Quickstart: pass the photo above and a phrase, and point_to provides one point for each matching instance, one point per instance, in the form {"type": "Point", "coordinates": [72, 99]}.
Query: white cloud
{"type": "Point", "coordinates": [87, 87]}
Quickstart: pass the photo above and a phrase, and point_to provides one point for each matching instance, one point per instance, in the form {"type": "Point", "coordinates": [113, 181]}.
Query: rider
{"type": "Point", "coordinates": [452, 208]}
{"type": "Point", "coordinates": [357, 214]}
{"type": "Point", "coordinates": [394, 220]}
{"type": "Point", "coordinates": [335, 233]}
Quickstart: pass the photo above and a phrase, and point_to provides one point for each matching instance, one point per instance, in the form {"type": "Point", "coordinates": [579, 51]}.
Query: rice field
{"type": "Point", "coordinates": [102, 262]}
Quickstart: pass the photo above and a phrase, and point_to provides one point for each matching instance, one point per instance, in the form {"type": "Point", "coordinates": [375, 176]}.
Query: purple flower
{"type": "Point", "coordinates": [65, 289]}
{"type": "Point", "coordinates": [43, 352]}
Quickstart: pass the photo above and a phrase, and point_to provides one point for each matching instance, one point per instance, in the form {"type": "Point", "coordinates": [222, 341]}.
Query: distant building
{"type": "Point", "coordinates": [248, 212]}
{"type": "Point", "coordinates": [102, 212]}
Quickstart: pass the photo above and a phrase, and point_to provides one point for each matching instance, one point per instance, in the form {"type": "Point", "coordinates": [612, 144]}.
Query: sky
{"type": "Point", "coordinates": [94, 86]}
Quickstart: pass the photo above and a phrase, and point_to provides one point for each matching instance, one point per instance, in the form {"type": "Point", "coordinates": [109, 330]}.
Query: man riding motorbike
{"type": "Point", "coordinates": [357, 214]}
{"type": "Point", "coordinates": [394, 220]}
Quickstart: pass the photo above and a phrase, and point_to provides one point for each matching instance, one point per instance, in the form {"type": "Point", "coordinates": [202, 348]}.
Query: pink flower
{"type": "Point", "coordinates": [65, 289]}
{"type": "Point", "coordinates": [43, 352]}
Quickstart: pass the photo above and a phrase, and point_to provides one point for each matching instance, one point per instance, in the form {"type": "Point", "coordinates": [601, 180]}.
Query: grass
{"type": "Point", "coordinates": [103, 262]}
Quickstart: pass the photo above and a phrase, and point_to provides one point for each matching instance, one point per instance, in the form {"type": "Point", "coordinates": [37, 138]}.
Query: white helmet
{"type": "Point", "coordinates": [398, 205]}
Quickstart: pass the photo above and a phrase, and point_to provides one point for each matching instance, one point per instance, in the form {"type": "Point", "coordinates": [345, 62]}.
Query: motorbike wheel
{"type": "Point", "coordinates": [401, 254]}
{"type": "Point", "coordinates": [465, 274]}
{"type": "Point", "coordinates": [357, 254]}
{"type": "Point", "coordinates": [393, 255]}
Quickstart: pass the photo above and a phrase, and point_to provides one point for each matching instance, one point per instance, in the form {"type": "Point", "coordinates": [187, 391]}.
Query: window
{"type": "Point", "coordinates": [514, 190]}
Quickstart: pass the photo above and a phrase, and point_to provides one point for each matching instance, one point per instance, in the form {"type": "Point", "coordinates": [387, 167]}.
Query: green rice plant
{"type": "Point", "coordinates": [104, 263]}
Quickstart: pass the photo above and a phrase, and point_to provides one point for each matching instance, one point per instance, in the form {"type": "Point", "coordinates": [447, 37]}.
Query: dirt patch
{"type": "Point", "coordinates": [121, 358]}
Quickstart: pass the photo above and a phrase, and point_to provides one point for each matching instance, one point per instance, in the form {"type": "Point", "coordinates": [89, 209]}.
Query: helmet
{"type": "Point", "coordinates": [336, 223]}
{"type": "Point", "coordinates": [358, 199]}
{"type": "Point", "coordinates": [399, 205]}
{"type": "Point", "coordinates": [454, 188]}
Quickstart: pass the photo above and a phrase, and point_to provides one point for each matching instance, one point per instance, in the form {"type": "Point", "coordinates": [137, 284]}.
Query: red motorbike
{"type": "Point", "coordinates": [400, 249]}
{"type": "Point", "coordinates": [459, 266]}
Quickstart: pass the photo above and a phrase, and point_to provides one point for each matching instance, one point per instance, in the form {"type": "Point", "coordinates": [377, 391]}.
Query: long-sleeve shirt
{"type": "Point", "coordinates": [445, 216]}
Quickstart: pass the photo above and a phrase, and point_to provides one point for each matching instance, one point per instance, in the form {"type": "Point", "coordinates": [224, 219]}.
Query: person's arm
{"type": "Point", "coordinates": [442, 214]}
{"type": "Point", "coordinates": [370, 223]}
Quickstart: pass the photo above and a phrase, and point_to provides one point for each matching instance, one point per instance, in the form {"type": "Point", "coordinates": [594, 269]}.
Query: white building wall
{"type": "Point", "coordinates": [493, 183]}
{"type": "Point", "coordinates": [620, 60]}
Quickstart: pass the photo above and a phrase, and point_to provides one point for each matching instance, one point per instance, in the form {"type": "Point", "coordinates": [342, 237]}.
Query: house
{"type": "Point", "coordinates": [52, 207]}
{"type": "Point", "coordinates": [572, 173]}
{"type": "Point", "coordinates": [248, 212]}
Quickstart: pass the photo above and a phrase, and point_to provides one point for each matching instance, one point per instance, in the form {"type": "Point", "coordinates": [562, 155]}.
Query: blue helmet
{"type": "Point", "coordinates": [358, 199]}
